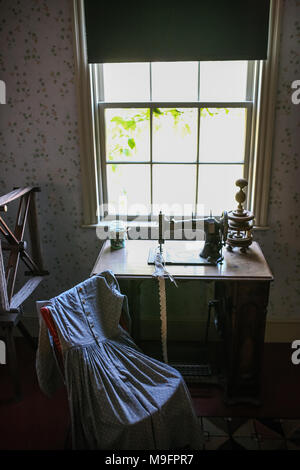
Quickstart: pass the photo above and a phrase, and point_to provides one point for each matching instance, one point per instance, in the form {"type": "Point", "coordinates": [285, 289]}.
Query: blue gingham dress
{"type": "Point", "coordinates": [119, 398]}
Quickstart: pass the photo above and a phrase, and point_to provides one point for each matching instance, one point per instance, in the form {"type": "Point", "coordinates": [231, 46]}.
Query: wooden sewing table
{"type": "Point", "coordinates": [241, 287]}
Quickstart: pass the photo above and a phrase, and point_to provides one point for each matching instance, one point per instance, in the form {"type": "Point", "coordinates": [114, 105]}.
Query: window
{"type": "Point", "coordinates": [175, 132]}
{"type": "Point", "coordinates": [175, 135]}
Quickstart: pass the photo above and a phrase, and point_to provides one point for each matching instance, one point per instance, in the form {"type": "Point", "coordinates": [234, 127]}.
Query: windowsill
{"type": "Point", "coordinates": [147, 224]}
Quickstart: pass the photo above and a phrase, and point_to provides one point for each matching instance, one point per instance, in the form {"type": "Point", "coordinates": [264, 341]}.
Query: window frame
{"type": "Point", "coordinates": [247, 105]}
{"type": "Point", "coordinates": [89, 85]}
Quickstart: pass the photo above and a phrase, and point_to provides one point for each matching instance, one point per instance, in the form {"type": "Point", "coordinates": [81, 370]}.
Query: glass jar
{"type": "Point", "coordinates": [117, 234]}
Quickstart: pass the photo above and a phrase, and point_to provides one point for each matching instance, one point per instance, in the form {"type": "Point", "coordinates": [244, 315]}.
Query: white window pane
{"type": "Point", "coordinates": [127, 134]}
{"type": "Point", "coordinates": [175, 135]}
{"type": "Point", "coordinates": [174, 186]}
{"type": "Point", "coordinates": [129, 188]}
{"type": "Point", "coordinates": [126, 82]}
{"type": "Point", "coordinates": [174, 81]}
{"type": "Point", "coordinates": [223, 80]}
{"type": "Point", "coordinates": [222, 135]}
{"type": "Point", "coordinates": [216, 187]}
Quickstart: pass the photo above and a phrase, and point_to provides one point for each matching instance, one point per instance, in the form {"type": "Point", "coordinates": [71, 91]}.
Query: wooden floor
{"type": "Point", "coordinates": [38, 422]}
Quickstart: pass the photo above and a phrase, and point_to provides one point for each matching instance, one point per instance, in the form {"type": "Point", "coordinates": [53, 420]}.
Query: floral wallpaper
{"type": "Point", "coordinates": [39, 146]}
{"type": "Point", "coordinates": [281, 244]}
{"type": "Point", "coordinates": [39, 133]}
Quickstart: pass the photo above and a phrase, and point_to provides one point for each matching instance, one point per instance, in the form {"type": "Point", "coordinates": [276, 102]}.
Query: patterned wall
{"type": "Point", "coordinates": [39, 132]}
{"type": "Point", "coordinates": [39, 145]}
{"type": "Point", "coordinates": [281, 244]}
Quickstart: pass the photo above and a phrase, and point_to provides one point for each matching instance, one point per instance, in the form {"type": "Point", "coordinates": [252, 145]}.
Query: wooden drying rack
{"type": "Point", "coordinates": [11, 301]}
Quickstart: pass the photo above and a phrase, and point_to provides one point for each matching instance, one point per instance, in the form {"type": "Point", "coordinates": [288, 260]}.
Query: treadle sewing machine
{"type": "Point", "coordinates": [215, 232]}
{"type": "Point", "coordinates": [232, 229]}
{"type": "Point", "coordinates": [240, 278]}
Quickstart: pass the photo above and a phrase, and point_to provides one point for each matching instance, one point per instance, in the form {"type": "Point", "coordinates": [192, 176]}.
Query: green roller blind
{"type": "Point", "coordinates": [150, 31]}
